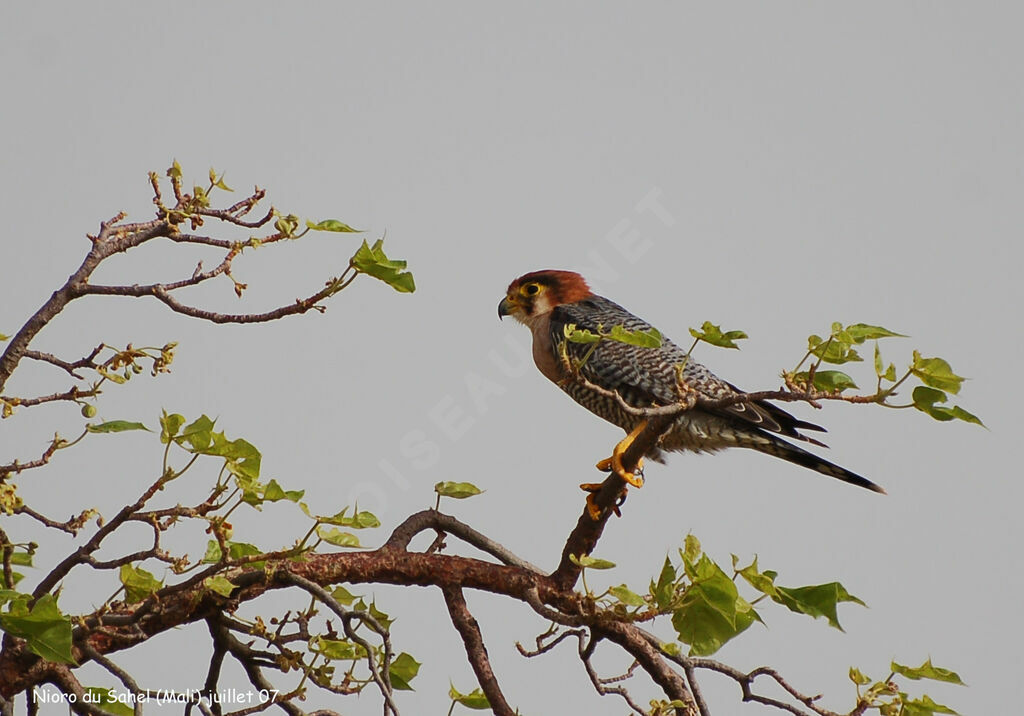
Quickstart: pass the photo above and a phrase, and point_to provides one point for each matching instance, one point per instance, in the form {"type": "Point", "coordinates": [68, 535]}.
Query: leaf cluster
{"type": "Point", "coordinates": [704, 601]}
{"type": "Point", "coordinates": [888, 699]}
{"type": "Point", "coordinates": [840, 346]}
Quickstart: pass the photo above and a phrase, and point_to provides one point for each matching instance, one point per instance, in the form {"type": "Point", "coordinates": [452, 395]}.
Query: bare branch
{"type": "Point", "coordinates": [123, 676]}
{"type": "Point", "coordinates": [69, 366]}
{"type": "Point", "coordinates": [80, 555]}
{"type": "Point", "coordinates": [433, 519]}
{"type": "Point", "coordinates": [162, 293]}
{"type": "Point", "coordinates": [549, 640]}
{"type": "Point", "coordinates": [7, 554]}
{"type": "Point", "coordinates": [61, 677]}
{"type": "Point", "coordinates": [476, 651]}
{"type": "Point", "coordinates": [15, 467]}
{"type": "Point", "coordinates": [72, 526]}
{"type": "Point", "coordinates": [698, 695]}
{"type": "Point", "coordinates": [586, 649]}
{"type": "Point", "coordinates": [242, 653]}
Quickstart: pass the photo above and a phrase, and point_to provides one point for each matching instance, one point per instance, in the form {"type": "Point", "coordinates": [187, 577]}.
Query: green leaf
{"type": "Point", "coordinates": [22, 559]}
{"type": "Point", "coordinates": [712, 611]}
{"type": "Point", "coordinates": [219, 584]}
{"type": "Point", "coordinates": [382, 618]}
{"type": "Point", "coordinates": [358, 521]}
{"type": "Point", "coordinates": [273, 492]}
{"type": "Point", "coordinates": [338, 649]}
{"type": "Point", "coordinates": [664, 589]}
{"type": "Point", "coordinates": [671, 648]}
{"type": "Point", "coordinates": [175, 171]}
{"type": "Point", "coordinates": [833, 351]}
{"type": "Point", "coordinates": [588, 562]}
{"type": "Point", "coordinates": [241, 457]}
{"type": "Point", "coordinates": [45, 630]}
{"type": "Point", "coordinates": [937, 373]}
{"type": "Point", "coordinates": [107, 700]}
{"type": "Point", "coordinates": [170, 425]}
{"type": "Point", "coordinates": [236, 550]}
{"type": "Point", "coordinates": [198, 434]}
{"type": "Point", "coordinates": [927, 671]}
{"type": "Point", "coordinates": [923, 706]}
{"type": "Point", "coordinates": [10, 595]}
{"type": "Point", "coordinates": [252, 490]}
{"type": "Point", "coordinates": [861, 332]}
{"type": "Point", "coordinates": [925, 400]}
{"type": "Point", "coordinates": [403, 670]}
{"type": "Point", "coordinates": [286, 225]}
{"type": "Point", "coordinates": [763, 582]}
{"type": "Point", "coordinates": [829, 381]}
{"type": "Point", "coordinates": [115, 426]}
{"type": "Point", "coordinates": [457, 490]}
{"type": "Point", "coordinates": [819, 600]}
{"type": "Point", "coordinates": [627, 596]}
{"type": "Point", "coordinates": [138, 583]}
{"type": "Point", "coordinates": [332, 225]}
{"type": "Point", "coordinates": [579, 335]}
{"type": "Point", "coordinates": [343, 595]}
{"type": "Point", "coordinates": [650, 338]}
{"type": "Point", "coordinates": [373, 262]}
{"type": "Point", "coordinates": [475, 699]}
{"type": "Point", "coordinates": [363, 520]}
{"type": "Point", "coordinates": [338, 538]}
{"type": "Point", "coordinates": [858, 678]}
{"type": "Point", "coordinates": [218, 181]}
{"type": "Point", "coordinates": [691, 549]}
{"type": "Point", "coordinates": [710, 333]}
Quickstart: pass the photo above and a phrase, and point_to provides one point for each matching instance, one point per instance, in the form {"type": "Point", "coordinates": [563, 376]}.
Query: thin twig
{"type": "Point", "coordinates": [380, 675]}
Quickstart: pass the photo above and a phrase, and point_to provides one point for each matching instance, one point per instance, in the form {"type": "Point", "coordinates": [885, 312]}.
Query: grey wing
{"type": "Point", "coordinates": [646, 377]}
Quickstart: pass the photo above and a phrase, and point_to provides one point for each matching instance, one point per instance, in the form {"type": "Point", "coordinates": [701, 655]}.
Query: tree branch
{"type": "Point", "coordinates": [588, 531]}
{"type": "Point", "coordinates": [433, 519]}
{"type": "Point", "coordinates": [476, 651]}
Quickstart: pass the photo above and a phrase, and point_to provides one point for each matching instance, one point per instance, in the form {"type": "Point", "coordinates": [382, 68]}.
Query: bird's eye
{"type": "Point", "coordinates": [531, 289]}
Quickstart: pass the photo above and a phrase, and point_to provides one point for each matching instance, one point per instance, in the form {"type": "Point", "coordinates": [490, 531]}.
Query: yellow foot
{"type": "Point", "coordinates": [614, 463]}
{"type": "Point", "coordinates": [593, 509]}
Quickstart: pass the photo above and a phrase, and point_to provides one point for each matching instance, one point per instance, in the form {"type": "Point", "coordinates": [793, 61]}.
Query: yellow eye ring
{"type": "Point", "coordinates": [531, 289]}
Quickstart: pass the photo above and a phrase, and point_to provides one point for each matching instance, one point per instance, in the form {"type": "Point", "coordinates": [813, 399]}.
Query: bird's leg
{"type": "Point", "coordinates": [614, 463]}
{"type": "Point", "coordinates": [592, 507]}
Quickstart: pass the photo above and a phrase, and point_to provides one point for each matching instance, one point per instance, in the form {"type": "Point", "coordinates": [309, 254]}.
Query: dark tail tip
{"type": "Point", "coordinates": [799, 456]}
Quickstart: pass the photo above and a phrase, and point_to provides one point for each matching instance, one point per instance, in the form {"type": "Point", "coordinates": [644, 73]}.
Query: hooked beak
{"type": "Point", "coordinates": [506, 307]}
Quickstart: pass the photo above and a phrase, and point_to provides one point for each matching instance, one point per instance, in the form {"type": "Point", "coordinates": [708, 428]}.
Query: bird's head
{"type": "Point", "coordinates": [535, 294]}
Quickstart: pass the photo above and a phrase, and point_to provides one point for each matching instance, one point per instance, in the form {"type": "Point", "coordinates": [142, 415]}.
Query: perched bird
{"type": "Point", "coordinates": [646, 377]}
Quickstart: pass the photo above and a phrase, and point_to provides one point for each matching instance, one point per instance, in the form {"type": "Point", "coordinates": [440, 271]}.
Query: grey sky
{"type": "Point", "coordinates": [801, 163]}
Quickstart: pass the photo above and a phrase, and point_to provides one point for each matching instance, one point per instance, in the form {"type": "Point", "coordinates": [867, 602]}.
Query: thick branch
{"type": "Point", "coordinates": [651, 660]}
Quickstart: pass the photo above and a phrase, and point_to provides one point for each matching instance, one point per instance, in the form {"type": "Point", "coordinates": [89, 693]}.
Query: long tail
{"type": "Point", "coordinates": [772, 445]}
